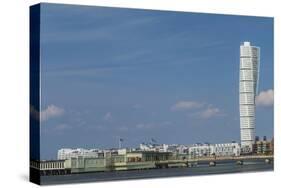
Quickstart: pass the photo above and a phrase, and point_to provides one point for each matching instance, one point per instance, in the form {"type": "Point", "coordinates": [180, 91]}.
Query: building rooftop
{"type": "Point", "coordinates": [246, 43]}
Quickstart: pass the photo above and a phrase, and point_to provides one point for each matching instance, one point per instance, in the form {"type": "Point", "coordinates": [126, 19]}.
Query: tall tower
{"type": "Point", "coordinates": [248, 88]}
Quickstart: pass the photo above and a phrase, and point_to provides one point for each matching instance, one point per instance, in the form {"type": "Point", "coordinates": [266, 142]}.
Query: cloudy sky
{"type": "Point", "coordinates": [142, 74]}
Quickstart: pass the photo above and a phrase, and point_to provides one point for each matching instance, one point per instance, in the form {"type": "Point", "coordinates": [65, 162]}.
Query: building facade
{"type": "Point", "coordinates": [200, 150]}
{"type": "Point", "coordinates": [67, 153]}
{"type": "Point", "coordinates": [248, 87]}
{"type": "Point", "coordinates": [227, 149]}
{"type": "Point", "coordinates": [214, 150]}
{"type": "Point", "coordinates": [154, 147]}
{"type": "Point", "coordinates": [128, 161]}
{"type": "Point", "coordinates": [263, 147]}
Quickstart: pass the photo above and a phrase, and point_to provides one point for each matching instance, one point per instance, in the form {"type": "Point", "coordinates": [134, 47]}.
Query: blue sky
{"type": "Point", "coordinates": [142, 74]}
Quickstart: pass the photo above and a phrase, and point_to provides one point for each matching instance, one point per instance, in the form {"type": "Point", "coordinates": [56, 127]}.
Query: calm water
{"type": "Point", "coordinates": [203, 169]}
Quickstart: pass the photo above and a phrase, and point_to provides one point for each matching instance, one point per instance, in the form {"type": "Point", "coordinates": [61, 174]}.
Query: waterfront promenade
{"type": "Point", "coordinates": [62, 168]}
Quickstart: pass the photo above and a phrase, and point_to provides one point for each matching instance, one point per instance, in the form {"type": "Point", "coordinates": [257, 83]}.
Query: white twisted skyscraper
{"type": "Point", "coordinates": [249, 77]}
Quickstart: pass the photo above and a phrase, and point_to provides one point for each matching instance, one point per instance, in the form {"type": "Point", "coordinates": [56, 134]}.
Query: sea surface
{"type": "Point", "coordinates": [201, 169]}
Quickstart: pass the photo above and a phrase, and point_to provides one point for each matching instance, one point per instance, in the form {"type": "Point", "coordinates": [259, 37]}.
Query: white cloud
{"type": "Point", "coordinates": [198, 109]}
{"type": "Point", "coordinates": [265, 98]}
{"type": "Point", "coordinates": [210, 112]}
{"type": "Point", "coordinates": [186, 105]}
{"type": "Point", "coordinates": [51, 111]}
{"type": "Point", "coordinates": [107, 116]}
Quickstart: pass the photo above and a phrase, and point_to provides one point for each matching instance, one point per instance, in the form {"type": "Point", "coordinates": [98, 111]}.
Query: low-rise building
{"type": "Point", "coordinates": [227, 149]}
{"type": "Point", "coordinates": [67, 153]}
{"type": "Point", "coordinates": [213, 150]}
{"type": "Point", "coordinates": [263, 147]}
{"type": "Point", "coordinates": [200, 150]}
{"type": "Point", "coordinates": [154, 147]}
{"type": "Point", "coordinates": [49, 167]}
{"type": "Point", "coordinates": [129, 161]}
{"type": "Point", "coordinates": [144, 156]}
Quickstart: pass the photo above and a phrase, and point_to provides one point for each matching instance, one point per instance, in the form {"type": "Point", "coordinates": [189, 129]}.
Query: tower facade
{"type": "Point", "coordinates": [248, 88]}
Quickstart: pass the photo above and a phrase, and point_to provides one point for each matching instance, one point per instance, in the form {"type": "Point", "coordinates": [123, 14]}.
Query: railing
{"type": "Point", "coordinates": [217, 158]}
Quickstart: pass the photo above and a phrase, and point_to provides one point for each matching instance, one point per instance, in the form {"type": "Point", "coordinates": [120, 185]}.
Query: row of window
{"type": "Point", "coordinates": [247, 134]}
{"type": "Point", "coordinates": [244, 101]}
{"type": "Point", "coordinates": [227, 149]}
{"type": "Point", "coordinates": [246, 87]}
{"type": "Point", "coordinates": [248, 122]}
{"type": "Point", "coordinates": [52, 165]}
{"type": "Point", "coordinates": [248, 63]}
{"type": "Point", "coordinates": [246, 98]}
{"type": "Point", "coordinates": [94, 161]}
{"type": "Point", "coordinates": [247, 125]}
{"type": "Point", "coordinates": [247, 75]}
{"type": "Point", "coordinates": [249, 51]}
{"type": "Point", "coordinates": [244, 66]}
{"type": "Point", "coordinates": [70, 155]}
{"type": "Point", "coordinates": [247, 110]}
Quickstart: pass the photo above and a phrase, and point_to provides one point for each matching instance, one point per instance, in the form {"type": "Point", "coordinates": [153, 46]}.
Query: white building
{"type": "Point", "coordinates": [200, 150]}
{"type": "Point", "coordinates": [212, 150]}
{"type": "Point", "coordinates": [178, 148]}
{"type": "Point", "coordinates": [154, 147]}
{"type": "Point", "coordinates": [249, 77]}
{"type": "Point", "coordinates": [67, 153]}
{"type": "Point", "coordinates": [227, 149]}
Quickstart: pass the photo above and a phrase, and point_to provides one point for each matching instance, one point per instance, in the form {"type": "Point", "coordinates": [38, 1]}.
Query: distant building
{"type": "Point", "coordinates": [248, 88]}
{"type": "Point", "coordinates": [173, 148]}
{"type": "Point", "coordinates": [122, 151]}
{"type": "Point", "coordinates": [213, 150]}
{"type": "Point", "coordinates": [67, 153]}
{"type": "Point", "coordinates": [271, 146]}
{"type": "Point", "coordinates": [263, 147]}
{"type": "Point", "coordinates": [200, 150]}
{"type": "Point", "coordinates": [180, 149]}
{"type": "Point", "coordinates": [154, 147]}
{"type": "Point", "coordinates": [227, 149]}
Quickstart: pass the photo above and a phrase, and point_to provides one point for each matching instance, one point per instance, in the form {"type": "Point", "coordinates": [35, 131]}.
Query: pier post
{"type": "Point", "coordinates": [240, 162]}
{"type": "Point", "coordinates": [212, 163]}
